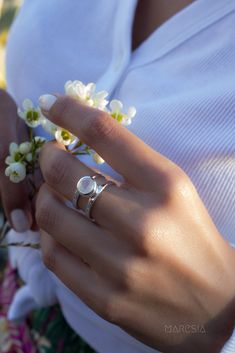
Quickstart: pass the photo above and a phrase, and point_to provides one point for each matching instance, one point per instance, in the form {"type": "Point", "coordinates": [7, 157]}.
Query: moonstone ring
{"type": "Point", "coordinates": [87, 187]}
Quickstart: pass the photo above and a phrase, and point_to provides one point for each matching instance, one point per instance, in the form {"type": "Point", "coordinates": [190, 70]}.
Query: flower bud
{"type": "Point", "coordinates": [29, 157]}
{"type": "Point", "coordinates": [25, 147]}
{"type": "Point", "coordinates": [13, 148]}
{"type": "Point", "coordinates": [16, 172]}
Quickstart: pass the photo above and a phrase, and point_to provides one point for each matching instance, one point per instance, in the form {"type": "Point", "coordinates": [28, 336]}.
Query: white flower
{"type": "Point", "coordinates": [16, 172]}
{"type": "Point", "coordinates": [64, 136]}
{"type": "Point", "coordinates": [39, 142]}
{"type": "Point", "coordinates": [99, 100]}
{"type": "Point", "coordinates": [39, 139]}
{"type": "Point", "coordinates": [48, 126]}
{"type": "Point", "coordinates": [25, 147]}
{"type": "Point", "coordinates": [116, 112]}
{"type": "Point", "coordinates": [86, 94]}
{"type": "Point", "coordinates": [30, 114]}
{"type": "Point", "coordinates": [15, 154]}
{"type": "Point", "coordinates": [78, 90]}
{"type": "Point", "coordinates": [98, 159]}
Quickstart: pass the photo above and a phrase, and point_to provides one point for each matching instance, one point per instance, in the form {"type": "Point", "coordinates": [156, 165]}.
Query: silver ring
{"type": "Point", "coordinates": [87, 187]}
{"type": "Point", "coordinates": [94, 197]}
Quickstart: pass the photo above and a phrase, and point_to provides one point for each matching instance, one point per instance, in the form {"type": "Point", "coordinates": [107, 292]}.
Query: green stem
{"type": "Point", "coordinates": [22, 244]}
{"type": "Point", "coordinates": [30, 134]}
{"type": "Point", "coordinates": [79, 153]}
{"type": "Point", "coordinates": [79, 144]}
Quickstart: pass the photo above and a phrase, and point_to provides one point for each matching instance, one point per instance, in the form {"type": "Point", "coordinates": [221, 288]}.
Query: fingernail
{"type": "Point", "coordinates": [19, 220]}
{"type": "Point", "coordinates": [46, 101]}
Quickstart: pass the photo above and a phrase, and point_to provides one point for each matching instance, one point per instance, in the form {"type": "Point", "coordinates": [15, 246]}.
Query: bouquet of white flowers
{"type": "Point", "coordinates": [23, 158]}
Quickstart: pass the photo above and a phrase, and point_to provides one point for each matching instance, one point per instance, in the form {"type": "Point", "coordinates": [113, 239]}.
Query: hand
{"type": "Point", "coordinates": [14, 196]}
{"type": "Point", "coordinates": [154, 262]}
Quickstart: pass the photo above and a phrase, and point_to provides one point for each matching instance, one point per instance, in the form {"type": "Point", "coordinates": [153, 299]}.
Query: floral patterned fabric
{"type": "Point", "coordinates": [43, 331]}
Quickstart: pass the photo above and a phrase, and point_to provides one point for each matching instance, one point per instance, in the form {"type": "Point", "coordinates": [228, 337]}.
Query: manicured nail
{"type": "Point", "coordinates": [46, 101]}
{"type": "Point", "coordinates": [19, 220]}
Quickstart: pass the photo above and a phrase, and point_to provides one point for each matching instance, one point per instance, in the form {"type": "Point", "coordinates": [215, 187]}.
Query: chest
{"type": "Point", "coordinates": [150, 14]}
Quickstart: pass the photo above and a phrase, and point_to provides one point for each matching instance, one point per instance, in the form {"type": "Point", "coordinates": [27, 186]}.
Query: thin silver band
{"type": "Point", "coordinates": [92, 200]}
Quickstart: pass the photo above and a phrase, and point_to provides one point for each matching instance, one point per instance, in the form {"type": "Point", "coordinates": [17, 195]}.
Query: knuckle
{"type": "Point", "coordinates": [180, 184]}
{"type": "Point", "coordinates": [45, 212]}
{"type": "Point", "coordinates": [148, 229]}
{"type": "Point", "coordinates": [127, 277]}
{"type": "Point", "coordinates": [141, 227]}
{"type": "Point", "coordinates": [54, 170]}
{"type": "Point", "coordinates": [97, 127]}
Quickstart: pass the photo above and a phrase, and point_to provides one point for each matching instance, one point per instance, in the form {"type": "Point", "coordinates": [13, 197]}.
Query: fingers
{"type": "Point", "coordinates": [119, 147]}
{"type": "Point", "coordinates": [76, 275]}
{"type": "Point", "coordinates": [62, 171]}
{"type": "Point", "coordinates": [14, 196]}
{"type": "Point", "coordinates": [81, 237]}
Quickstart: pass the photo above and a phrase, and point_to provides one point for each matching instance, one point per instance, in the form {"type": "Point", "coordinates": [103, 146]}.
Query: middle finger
{"type": "Point", "coordinates": [85, 239]}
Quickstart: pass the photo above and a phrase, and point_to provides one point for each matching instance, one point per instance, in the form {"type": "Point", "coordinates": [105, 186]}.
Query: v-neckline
{"type": "Point", "coordinates": [172, 33]}
{"type": "Point", "coordinates": [138, 21]}
{"type": "Point", "coordinates": [181, 26]}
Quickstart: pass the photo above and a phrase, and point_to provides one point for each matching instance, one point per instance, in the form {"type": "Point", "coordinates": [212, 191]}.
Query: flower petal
{"type": "Point", "coordinates": [90, 89]}
{"type": "Point", "coordinates": [20, 113]}
{"type": "Point", "coordinates": [13, 148]}
{"type": "Point", "coordinates": [48, 126]}
{"type": "Point", "coordinates": [27, 104]}
{"type": "Point", "coordinates": [131, 112]}
{"type": "Point", "coordinates": [9, 160]}
{"type": "Point", "coordinates": [8, 171]}
{"type": "Point", "coordinates": [116, 105]}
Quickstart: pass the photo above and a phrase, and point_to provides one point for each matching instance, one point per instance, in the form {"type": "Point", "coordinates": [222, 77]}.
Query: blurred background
{"type": "Point", "coordinates": [8, 9]}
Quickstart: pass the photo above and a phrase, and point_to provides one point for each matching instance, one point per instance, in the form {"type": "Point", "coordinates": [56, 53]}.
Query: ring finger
{"type": "Point", "coordinates": [62, 171]}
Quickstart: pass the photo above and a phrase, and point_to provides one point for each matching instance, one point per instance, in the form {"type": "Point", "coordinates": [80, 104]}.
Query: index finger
{"type": "Point", "coordinates": [120, 148]}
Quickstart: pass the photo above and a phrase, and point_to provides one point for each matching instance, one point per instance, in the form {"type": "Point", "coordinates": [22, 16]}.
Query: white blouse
{"type": "Point", "coordinates": [181, 80]}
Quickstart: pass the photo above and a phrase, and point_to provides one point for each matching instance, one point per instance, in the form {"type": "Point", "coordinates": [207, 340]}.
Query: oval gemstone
{"type": "Point", "coordinates": [86, 185]}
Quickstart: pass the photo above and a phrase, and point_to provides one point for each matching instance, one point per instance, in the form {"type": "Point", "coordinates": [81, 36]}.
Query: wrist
{"type": "Point", "coordinates": [220, 327]}
{"type": "Point", "coordinates": [223, 323]}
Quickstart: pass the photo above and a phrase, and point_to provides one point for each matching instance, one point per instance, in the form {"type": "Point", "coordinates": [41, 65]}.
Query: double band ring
{"type": "Point", "coordinates": [88, 187]}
